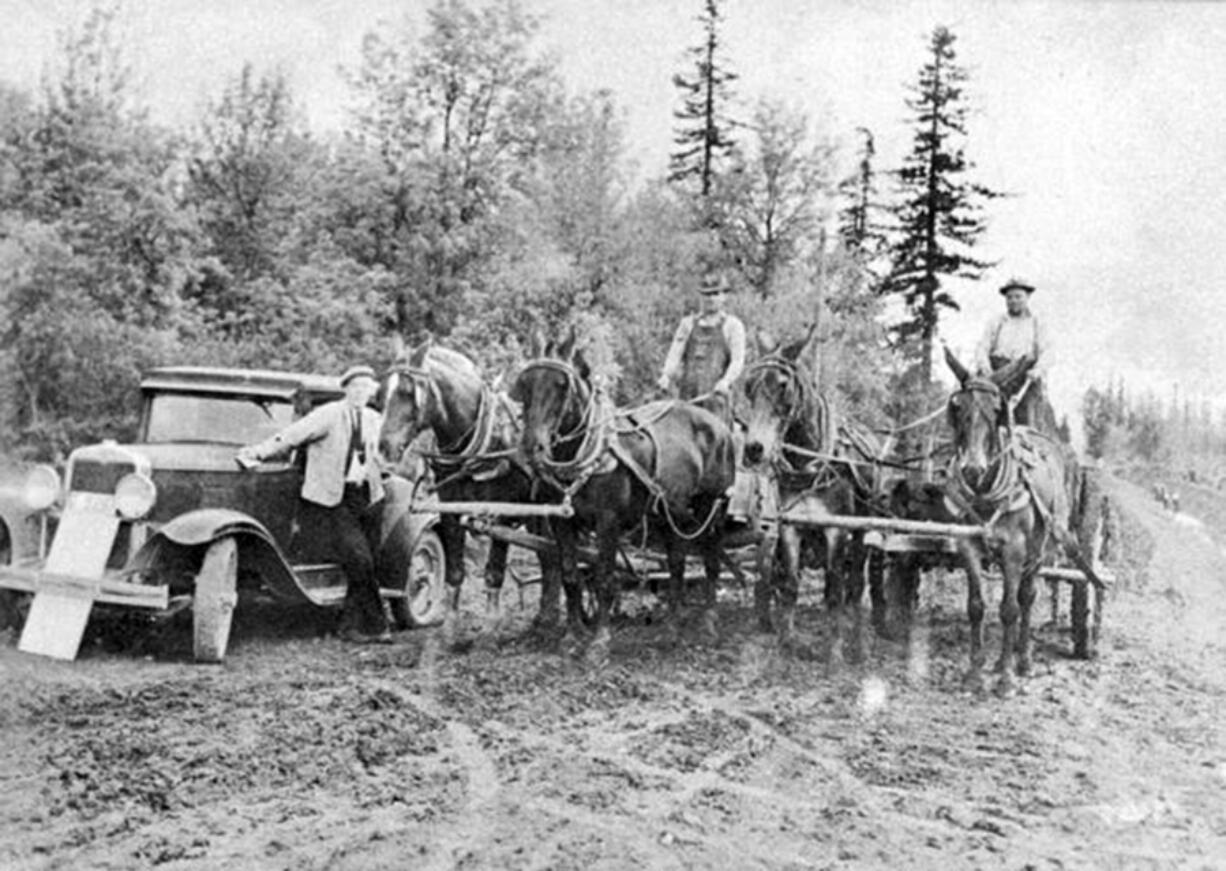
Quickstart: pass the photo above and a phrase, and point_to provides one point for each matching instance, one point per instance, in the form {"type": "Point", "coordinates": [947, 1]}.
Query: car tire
{"type": "Point", "coordinates": [422, 580]}
{"type": "Point", "coordinates": [214, 600]}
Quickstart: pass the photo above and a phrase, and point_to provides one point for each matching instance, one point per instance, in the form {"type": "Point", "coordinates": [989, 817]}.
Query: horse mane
{"type": "Point", "coordinates": [453, 360]}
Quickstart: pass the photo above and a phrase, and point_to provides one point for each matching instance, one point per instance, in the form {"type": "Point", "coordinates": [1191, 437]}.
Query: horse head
{"type": "Point", "coordinates": [429, 388]}
{"type": "Point", "coordinates": [978, 411]}
{"type": "Point", "coordinates": [778, 391]}
{"type": "Point", "coordinates": [555, 393]}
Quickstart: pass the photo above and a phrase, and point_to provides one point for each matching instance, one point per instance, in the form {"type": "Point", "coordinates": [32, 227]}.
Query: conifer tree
{"type": "Point", "coordinates": [940, 217]}
{"type": "Point", "coordinates": [859, 220]}
{"type": "Point", "coordinates": [704, 131]}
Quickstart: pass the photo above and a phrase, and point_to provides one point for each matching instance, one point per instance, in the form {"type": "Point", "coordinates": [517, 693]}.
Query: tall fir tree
{"type": "Point", "coordinates": [704, 132]}
{"type": "Point", "coordinates": [941, 215]}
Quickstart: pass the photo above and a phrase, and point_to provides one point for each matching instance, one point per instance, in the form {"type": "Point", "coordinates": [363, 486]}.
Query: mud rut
{"type": "Point", "coordinates": [485, 750]}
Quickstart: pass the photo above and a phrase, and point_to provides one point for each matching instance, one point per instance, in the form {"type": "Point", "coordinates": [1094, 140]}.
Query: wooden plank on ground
{"type": "Point", "coordinates": [56, 622]}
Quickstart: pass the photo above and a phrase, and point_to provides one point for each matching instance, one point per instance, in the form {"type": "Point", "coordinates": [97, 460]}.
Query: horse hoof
{"type": "Point", "coordinates": [972, 682]}
{"type": "Point", "coordinates": [1006, 687]}
{"type": "Point", "coordinates": [765, 626]}
{"type": "Point", "coordinates": [1024, 667]}
{"type": "Point", "coordinates": [570, 645]}
{"type": "Point", "coordinates": [710, 631]}
{"type": "Point", "coordinates": [597, 655]}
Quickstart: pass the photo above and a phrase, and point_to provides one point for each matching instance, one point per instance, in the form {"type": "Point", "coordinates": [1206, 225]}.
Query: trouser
{"type": "Point", "coordinates": [345, 533]}
{"type": "Point", "coordinates": [1032, 409]}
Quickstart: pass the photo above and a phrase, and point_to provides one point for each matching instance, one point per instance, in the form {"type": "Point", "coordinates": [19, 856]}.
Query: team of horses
{"type": "Point", "coordinates": [555, 438]}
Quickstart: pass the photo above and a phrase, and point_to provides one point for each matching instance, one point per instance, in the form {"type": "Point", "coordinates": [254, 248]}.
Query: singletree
{"type": "Point", "coordinates": [940, 217]}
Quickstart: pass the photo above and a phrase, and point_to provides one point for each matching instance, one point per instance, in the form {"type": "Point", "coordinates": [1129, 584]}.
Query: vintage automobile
{"type": "Point", "coordinates": [173, 521]}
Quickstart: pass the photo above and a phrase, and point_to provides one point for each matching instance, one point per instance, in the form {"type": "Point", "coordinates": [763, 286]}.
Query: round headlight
{"type": "Point", "coordinates": [41, 488]}
{"type": "Point", "coordinates": [134, 496]}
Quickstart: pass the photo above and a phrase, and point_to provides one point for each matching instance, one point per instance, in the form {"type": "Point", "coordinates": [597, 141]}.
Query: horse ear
{"type": "Point", "coordinates": [417, 357]}
{"type": "Point", "coordinates": [767, 343]}
{"type": "Point", "coordinates": [537, 346]}
{"type": "Point", "coordinates": [960, 371]}
{"type": "Point", "coordinates": [795, 350]}
{"type": "Point", "coordinates": [581, 365]}
{"type": "Point", "coordinates": [566, 349]}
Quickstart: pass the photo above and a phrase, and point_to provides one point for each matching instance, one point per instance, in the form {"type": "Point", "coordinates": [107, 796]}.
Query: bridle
{"type": "Point", "coordinates": [591, 427]}
{"type": "Point", "coordinates": [473, 442]}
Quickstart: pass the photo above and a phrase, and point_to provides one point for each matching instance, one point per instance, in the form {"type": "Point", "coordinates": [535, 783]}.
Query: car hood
{"type": "Point", "coordinates": [192, 457]}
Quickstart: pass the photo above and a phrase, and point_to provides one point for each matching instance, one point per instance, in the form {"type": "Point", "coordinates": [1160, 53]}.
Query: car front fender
{"type": "Point", "coordinates": [209, 524]}
{"type": "Point", "coordinates": [183, 541]}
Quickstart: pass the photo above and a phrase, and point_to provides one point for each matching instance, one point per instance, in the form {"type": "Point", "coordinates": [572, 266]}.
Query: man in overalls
{"type": "Point", "coordinates": [704, 361]}
{"type": "Point", "coordinates": [708, 352]}
{"type": "Point", "coordinates": [1015, 334]}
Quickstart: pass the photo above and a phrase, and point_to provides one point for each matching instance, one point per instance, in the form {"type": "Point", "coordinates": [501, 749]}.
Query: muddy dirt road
{"type": "Point", "coordinates": [488, 752]}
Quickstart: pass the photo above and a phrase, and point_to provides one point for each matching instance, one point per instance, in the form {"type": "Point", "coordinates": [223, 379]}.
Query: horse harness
{"type": "Point", "coordinates": [470, 454]}
{"type": "Point", "coordinates": [603, 428]}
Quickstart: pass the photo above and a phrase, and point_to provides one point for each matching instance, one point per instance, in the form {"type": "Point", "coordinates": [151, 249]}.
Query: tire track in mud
{"type": "Point", "coordinates": [837, 772]}
{"type": "Point", "coordinates": [464, 834]}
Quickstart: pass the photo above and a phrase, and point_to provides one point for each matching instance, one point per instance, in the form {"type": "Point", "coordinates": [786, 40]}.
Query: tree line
{"type": "Point", "coordinates": [475, 197]}
{"type": "Point", "coordinates": [1124, 428]}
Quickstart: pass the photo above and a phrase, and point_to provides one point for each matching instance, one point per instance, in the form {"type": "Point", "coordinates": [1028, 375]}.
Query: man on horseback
{"type": "Point", "coordinates": [708, 352]}
{"type": "Point", "coordinates": [1014, 335]}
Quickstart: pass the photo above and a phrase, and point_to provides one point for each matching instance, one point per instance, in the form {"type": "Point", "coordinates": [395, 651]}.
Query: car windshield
{"type": "Point", "coordinates": [193, 417]}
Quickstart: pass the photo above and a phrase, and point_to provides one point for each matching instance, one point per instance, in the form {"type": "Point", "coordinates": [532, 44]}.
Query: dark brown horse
{"type": "Point", "coordinates": [1026, 489]}
{"type": "Point", "coordinates": [670, 462]}
{"type": "Point", "coordinates": [475, 459]}
{"type": "Point", "coordinates": [828, 464]}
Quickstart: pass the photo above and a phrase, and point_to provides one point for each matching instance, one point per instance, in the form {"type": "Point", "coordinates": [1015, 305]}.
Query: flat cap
{"type": "Point", "coordinates": [357, 372]}
{"type": "Point", "coordinates": [1016, 284]}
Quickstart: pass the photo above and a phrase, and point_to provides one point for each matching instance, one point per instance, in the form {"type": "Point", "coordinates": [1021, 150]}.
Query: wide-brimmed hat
{"type": "Point", "coordinates": [1016, 284]}
{"type": "Point", "coordinates": [357, 372]}
{"type": "Point", "coordinates": [713, 283]}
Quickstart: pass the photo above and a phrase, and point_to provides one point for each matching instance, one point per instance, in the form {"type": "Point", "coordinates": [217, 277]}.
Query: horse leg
{"type": "Point", "coordinates": [451, 534]}
{"type": "Point", "coordinates": [764, 587]}
{"type": "Point", "coordinates": [568, 567]}
{"type": "Point", "coordinates": [1026, 594]}
{"type": "Point", "coordinates": [607, 534]}
{"type": "Point", "coordinates": [876, 565]}
{"type": "Point", "coordinates": [786, 582]}
{"type": "Point", "coordinates": [835, 596]}
{"type": "Point", "coordinates": [711, 563]}
{"type": "Point", "coordinates": [548, 611]}
{"type": "Point", "coordinates": [495, 574]}
{"type": "Point", "coordinates": [973, 563]}
{"type": "Point", "coordinates": [1012, 556]}
{"type": "Point", "coordinates": [674, 559]}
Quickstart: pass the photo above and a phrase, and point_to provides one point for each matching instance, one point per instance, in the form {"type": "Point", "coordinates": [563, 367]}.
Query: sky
{"type": "Point", "coordinates": [1105, 121]}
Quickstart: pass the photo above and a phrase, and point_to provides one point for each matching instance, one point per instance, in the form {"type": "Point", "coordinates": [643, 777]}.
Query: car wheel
{"type": "Point", "coordinates": [422, 581]}
{"type": "Point", "coordinates": [214, 600]}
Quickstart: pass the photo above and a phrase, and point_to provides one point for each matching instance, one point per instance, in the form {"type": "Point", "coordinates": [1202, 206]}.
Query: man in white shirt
{"type": "Point", "coordinates": [1011, 336]}
{"type": "Point", "coordinates": [707, 354]}
{"type": "Point", "coordinates": [341, 489]}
